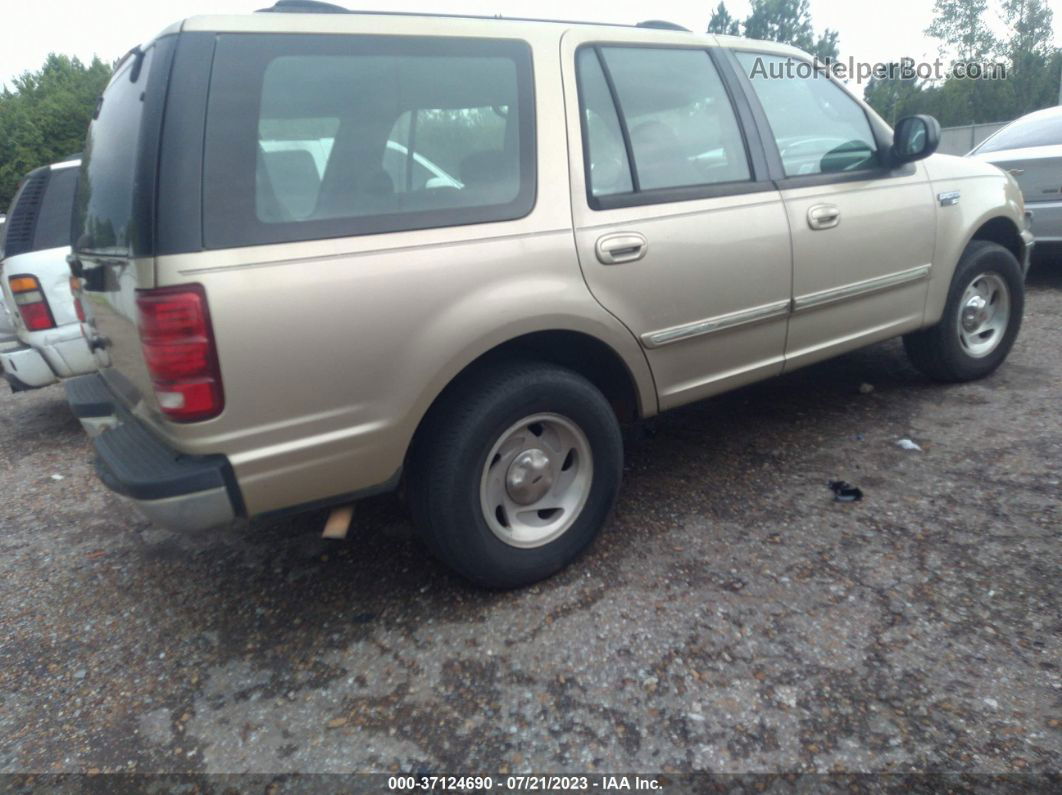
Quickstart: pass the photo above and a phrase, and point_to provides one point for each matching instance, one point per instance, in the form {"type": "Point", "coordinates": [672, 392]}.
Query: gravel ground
{"type": "Point", "coordinates": [732, 617]}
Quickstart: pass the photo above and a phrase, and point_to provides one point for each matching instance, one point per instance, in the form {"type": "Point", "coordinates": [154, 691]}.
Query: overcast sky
{"type": "Point", "coordinates": [108, 28]}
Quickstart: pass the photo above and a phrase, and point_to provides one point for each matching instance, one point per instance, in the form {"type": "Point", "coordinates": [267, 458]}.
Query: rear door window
{"type": "Point", "coordinates": [657, 119]}
{"type": "Point", "coordinates": [326, 136]}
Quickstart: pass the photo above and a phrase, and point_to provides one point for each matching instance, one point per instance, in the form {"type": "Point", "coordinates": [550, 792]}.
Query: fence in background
{"type": "Point", "coordinates": [960, 140]}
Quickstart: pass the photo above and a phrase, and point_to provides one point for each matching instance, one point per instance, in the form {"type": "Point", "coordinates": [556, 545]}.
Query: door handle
{"type": "Point", "coordinates": [824, 216]}
{"type": "Point", "coordinates": [621, 247]}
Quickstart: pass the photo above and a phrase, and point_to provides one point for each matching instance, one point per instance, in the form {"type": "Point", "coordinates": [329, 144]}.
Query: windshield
{"type": "Point", "coordinates": [1031, 131]}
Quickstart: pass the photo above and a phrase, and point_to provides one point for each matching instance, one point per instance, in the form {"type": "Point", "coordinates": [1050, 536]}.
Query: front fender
{"type": "Point", "coordinates": [985, 193]}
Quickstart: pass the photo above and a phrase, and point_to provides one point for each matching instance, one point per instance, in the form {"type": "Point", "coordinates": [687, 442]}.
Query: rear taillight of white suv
{"type": "Point", "coordinates": [31, 303]}
{"type": "Point", "coordinates": [178, 344]}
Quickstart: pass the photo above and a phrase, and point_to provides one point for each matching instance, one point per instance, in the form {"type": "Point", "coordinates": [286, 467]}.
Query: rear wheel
{"type": "Point", "coordinates": [981, 319]}
{"type": "Point", "coordinates": [515, 473]}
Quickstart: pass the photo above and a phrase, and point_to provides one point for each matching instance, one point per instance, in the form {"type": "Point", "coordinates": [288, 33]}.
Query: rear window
{"type": "Point", "coordinates": [327, 136]}
{"type": "Point", "coordinates": [1026, 133]}
{"type": "Point", "coordinates": [104, 207]}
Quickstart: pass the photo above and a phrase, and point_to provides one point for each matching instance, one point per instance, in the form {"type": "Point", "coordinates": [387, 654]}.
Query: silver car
{"type": "Point", "coordinates": [1030, 150]}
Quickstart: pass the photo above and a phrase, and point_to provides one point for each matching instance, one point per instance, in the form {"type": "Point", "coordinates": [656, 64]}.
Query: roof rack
{"type": "Point", "coordinates": [304, 7]}
{"type": "Point", "coordinates": [662, 24]}
{"type": "Point", "coordinates": [318, 7]}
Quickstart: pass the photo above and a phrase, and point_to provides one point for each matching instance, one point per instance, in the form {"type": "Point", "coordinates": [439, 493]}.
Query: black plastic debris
{"type": "Point", "coordinates": [843, 491]}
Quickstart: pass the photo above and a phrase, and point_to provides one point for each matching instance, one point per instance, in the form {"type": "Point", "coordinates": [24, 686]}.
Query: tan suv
{"type": "Point", "coordinates": [324, 254]}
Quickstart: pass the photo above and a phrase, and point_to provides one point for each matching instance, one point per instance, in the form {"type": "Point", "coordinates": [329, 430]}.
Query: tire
{"type": "Point", "coordinates": [453, 486]}
{"type": "Point", "coordinates": [954, 349]}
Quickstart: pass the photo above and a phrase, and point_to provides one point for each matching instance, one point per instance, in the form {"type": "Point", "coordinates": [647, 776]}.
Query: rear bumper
{"type": "Point", "coordinates": [1028, 240]}
{"type": "Point", "coordinates": [25, 368]}
{"type": "Point", "coordinates": [59, 353]}
{"type": "Point", "coordinates": [177, 491]}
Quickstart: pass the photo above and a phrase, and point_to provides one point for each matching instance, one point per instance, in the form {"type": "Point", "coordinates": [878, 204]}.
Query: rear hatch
{"type": "Point", "coordinates": [36, 243]}
{"type": "Point", "coordinates": [114, 221]}
{"type": "Point", "coordinates": [1038, 170]}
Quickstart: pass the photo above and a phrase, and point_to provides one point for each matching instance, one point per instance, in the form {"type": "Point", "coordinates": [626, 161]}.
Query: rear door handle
{"type": "Point", "coordinates": [621, 247]}
{"type": "Point", "coordinates": [824, 216]}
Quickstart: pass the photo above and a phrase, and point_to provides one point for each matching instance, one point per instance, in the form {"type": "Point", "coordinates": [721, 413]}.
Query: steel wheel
{"type": "Point", "coordinates": [536, 480]}
{"type": "Point", "coordinates": [984, 314]}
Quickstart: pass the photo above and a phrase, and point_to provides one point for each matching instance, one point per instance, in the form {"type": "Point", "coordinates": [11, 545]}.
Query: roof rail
{"type": "Point", "coordinates": [662, 24]}
{"type": "Point", "coordinates": [319, 7]}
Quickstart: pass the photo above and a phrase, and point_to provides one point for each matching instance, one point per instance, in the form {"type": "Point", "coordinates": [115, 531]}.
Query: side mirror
{"type": "Point", "coordinates": [916, 137]}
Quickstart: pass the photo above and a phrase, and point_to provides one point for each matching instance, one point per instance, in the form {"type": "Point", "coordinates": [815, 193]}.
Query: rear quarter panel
{"type": "Point", "coordinates": [331, 351]}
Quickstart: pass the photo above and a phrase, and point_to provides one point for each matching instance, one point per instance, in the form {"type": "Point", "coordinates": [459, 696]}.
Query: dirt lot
{"type": "Point", "coordinates": [732, 617]}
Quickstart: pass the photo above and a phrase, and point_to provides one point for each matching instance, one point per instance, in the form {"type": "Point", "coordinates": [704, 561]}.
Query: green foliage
{"type": "Point", "coordinates": [44, 118]}
{"type": "Point", "coordinates": [786, 21]}
{"type": "Point", "coordinates": [1033, 25]}
{"type": "Point", "coordinates": [1033, 67]}
{"type": "Point", "coordinates": [722, 23]}
{"type": "Point", "coordinates": [789, 21]}
{"type": "Point", "coordinates": [961, 28]}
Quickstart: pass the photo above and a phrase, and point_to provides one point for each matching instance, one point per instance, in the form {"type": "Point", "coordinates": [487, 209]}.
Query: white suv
{"type": "Point", "coordinates": [47, 342]}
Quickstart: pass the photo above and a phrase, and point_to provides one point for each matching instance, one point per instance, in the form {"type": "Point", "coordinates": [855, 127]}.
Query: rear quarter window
{"type": "Point", "coordinates": [53, 223]}
{"type": "Point", "coordinates": [312, 137]}
{"type": "Point", "coordinates": [25, 208]}
{"type": "Point", "coordinates": [41, 212]}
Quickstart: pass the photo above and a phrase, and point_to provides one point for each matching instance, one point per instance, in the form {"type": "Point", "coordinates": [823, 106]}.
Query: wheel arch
{"type": "Point", "coordinates": [586, 354]}
{"type": "Point", "coordinates": [1002, 230]}
{"type": "Point", "coordinates": [995, 226]}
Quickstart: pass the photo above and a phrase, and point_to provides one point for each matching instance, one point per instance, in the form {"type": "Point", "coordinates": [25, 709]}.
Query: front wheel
{"type": "Point", "coordinates": [981, 319]}
{"type": "Point", "coordinates": [515, 473]}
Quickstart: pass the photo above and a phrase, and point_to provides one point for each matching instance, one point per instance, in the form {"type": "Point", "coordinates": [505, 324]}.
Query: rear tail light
{"type": "Point", "coordinates": [179, 349]}
{"type": "Point", "coordinates": [31, 303]}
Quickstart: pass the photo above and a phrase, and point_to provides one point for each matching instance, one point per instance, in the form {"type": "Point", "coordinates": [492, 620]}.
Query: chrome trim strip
{"type": "Point", "coordinates": [654, 339]}
{"type": "Point", "coordinates": [886, 282]}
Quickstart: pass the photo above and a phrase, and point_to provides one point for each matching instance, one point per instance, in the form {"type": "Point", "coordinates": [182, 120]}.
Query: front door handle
{"type": "Point", "coordinates": [621, 247]}
{"type": "Point", "coordinates": [824, 216]}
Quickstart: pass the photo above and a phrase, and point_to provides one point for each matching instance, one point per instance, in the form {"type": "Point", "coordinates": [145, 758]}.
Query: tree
{"type": "Point", "coordinates": [789, 22]}
{"type": "Point", "coordinates": [45, 117]}
{"type": "Point", "coordinates": [895, 96]}
{"type": "Point", "coordinates": [960, 26]}
{"type": "Point", "coordinates": [722, 23]}
{"type": "Point", "coordinates": [1032, 81]}
{"type": "Point", "coordinates": [1032, 23]}
{"type": "Point", "coordinates": [827, 45]}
